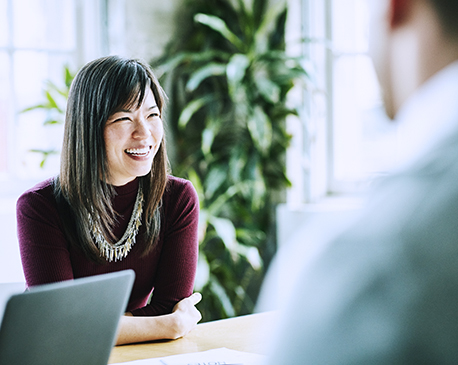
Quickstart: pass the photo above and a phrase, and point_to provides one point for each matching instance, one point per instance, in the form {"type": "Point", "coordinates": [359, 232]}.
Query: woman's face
{"type": "Point", "coordinates": [132, 138]}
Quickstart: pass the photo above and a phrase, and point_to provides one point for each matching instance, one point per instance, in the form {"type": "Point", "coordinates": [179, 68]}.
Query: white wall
{"type": "Point", "coordinates": [141, 28]}
{"type": "Point", "coordinates": [10, 262]}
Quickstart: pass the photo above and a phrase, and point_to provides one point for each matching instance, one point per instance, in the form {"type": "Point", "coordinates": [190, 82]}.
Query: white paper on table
{"type": "Point", "coordinates": [219, 356]}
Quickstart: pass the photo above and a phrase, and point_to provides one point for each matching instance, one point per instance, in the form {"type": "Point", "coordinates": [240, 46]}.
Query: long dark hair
{"type": "Point", "coordinates": [99, 89]}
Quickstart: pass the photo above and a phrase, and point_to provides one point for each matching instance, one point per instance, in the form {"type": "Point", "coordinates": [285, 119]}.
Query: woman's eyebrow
{"type": "Point", "coordinates": [130, 111]}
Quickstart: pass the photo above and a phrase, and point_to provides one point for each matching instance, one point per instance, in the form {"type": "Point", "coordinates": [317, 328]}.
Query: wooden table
{"type": "Point", "coordinates": [245, 333]}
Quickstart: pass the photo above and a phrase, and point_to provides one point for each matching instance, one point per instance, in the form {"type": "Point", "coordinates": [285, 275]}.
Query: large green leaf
{"type": "Point", "coordinates": [69, 76]}
{"type": "Point", "coordinates": [191, 58]}
{"type": "Point", "coordinates": [259, 189]}
{"type": "Point", "coordinates": [267, 88]}
{"type": "Point", "coordinates": [170, 64]}
{"type": "Point", "coordinates": [245, 20]}
{"type": "Point", "coordinates": [45, 154]}
{"type": "Point", "coordinates": [214, 180]}
{"type": "Point", "coordinates": [218, 25]}
{"type": "Point", "coordinates": [208, 135]}
{"type": "Point", "coordinates": [221, 294]}
{"type": "Point", "coordinates": [215, 207]}
{"type": "Point", "coordinates": [250, 236]}
{"type": "Point", "coordinates": [52, 121]}
{"type": "Point", "coordinates": [38, 106]}
{"type": "Point", "coordinates": [51, 102]}
{"type": "Point", "coordinates": [267, 25]}
{"type": "Point", "coordinates": [259, 7]}
{"type": "Point", "coordinates": [226, 231]}
{"type": "Point", "coordinates": [260, 129]}
{"type": "Point", "coordinates": [251, 254]}
{"type": "Point", "coordinates": [203, 272]}
{"type": "Point", "coordinates": [197, 183]}
{"type": "Point", "coordinates": [190, 109]}
{"type": "Point", "coordinates": [52, 87]}
{"type": "Point", "coordinates": [212, 69]}
{"type": "Point", "coordinates": [235, 71]}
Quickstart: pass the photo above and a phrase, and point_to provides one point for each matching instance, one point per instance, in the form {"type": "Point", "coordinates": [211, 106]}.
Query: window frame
{"type": "Point", "coordinates": [310, 160]}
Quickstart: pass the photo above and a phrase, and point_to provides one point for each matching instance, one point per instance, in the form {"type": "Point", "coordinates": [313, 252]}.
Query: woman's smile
{"type": "Point", "coordinates": [139, 152]}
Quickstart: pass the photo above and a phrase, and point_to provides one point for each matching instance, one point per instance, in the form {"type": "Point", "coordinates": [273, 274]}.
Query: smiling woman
{"type": "Point", "coordinates": [114, 206]}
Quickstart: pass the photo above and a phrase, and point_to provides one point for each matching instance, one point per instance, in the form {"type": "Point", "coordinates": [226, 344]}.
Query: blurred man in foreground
{"type": "Point", "coordinates": [385, 290]}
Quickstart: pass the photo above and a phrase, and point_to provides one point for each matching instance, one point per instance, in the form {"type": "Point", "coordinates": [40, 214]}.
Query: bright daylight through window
{"type": "Point", "coordinates": [363, 138]}
{"type": "Point", "coordinates": [37, 38]}
{"type": "Point", "coordinates": [344, 138]}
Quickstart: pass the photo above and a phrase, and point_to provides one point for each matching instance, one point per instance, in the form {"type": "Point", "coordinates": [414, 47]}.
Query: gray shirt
{"type": "Point", "coordinates": [385, 289]}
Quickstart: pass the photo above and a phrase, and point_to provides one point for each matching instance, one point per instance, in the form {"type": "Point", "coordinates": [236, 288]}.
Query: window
{"type": "Point", "coordinates": [37, 39]}
{"type": "Point", "coordinates": [363, 138]}
{"type": "Point", "coordinates": [343, 138]}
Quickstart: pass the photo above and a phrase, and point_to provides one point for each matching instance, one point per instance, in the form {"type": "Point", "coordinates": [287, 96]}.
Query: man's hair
{"type": "Point", "coordinates": [99, 89]}
{"type": "Point", "coordinates": [447, 11]}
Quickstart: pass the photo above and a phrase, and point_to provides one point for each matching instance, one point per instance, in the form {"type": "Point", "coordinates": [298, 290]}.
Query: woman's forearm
{"type": "Point", "coordinates": [182, 320]}
{"type": "Point", "coordinates": [141, 329]}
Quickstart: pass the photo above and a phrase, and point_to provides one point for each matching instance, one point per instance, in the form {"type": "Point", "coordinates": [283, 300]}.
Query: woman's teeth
{"type": "Point", "coordinates": [138, 151]}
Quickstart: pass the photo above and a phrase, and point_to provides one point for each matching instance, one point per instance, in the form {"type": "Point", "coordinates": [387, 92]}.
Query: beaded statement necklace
{"type": "Point", "coordinates": [119, 250]}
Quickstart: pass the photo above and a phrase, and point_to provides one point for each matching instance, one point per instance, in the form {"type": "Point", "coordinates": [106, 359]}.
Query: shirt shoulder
{"type": "Point", "coordinates": [37, 212]}
{"type": "Point", "coordinates": [178, 189]}
{"type": "Point", "coordinates": [42, 192]}
{"type": "Point", "coordinates": [180, 200]}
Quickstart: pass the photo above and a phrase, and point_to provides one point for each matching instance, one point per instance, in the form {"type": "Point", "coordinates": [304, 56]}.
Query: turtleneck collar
{"type": "Point", "coordinates": [128, 188]}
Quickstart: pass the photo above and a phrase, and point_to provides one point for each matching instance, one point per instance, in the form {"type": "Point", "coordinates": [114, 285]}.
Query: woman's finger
{"type": "Point", "coordinates": [195, 298]}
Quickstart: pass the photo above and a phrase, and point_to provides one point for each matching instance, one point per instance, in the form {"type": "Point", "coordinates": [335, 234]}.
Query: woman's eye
{"type": "Point", "coordinates": [121, 119]}
{"type": "Point", "coordinates": [153, 115]}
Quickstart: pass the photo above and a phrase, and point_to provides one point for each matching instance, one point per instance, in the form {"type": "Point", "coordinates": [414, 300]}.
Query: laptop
{"type": "Point", "coordinates": [71, 322]}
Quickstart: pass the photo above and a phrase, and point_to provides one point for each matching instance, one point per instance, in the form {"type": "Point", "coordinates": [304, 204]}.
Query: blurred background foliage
{"type": "Point", "coordinates": [227, 77]}
{"type": "Point", "coordinates": [54, 105]}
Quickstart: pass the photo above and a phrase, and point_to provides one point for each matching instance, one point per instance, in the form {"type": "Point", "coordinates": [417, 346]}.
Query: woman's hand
{"type": "Point", "coordinates": [181, 321]}
{"type": "Point", "coordinates": [186, 315]}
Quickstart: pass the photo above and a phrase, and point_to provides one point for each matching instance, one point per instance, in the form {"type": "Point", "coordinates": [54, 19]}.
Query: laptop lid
{"type": "Point", "coordinates": [71, 322]}
{"type": "Point", "coordinates": [6, 291]}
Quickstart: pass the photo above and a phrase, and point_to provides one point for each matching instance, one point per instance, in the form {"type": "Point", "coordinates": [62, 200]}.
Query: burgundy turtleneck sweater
{"type": "Point", "coordinates": [169, 268]}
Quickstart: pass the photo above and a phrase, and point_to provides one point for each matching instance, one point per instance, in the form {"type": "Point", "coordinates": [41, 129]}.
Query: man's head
{"type": "Point", "coordinates": [411, 40]}
{"type": "Point", "coordinates": [447, 12]}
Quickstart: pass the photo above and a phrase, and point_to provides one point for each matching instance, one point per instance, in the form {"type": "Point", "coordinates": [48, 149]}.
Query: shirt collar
{"type": "Point", "coordinates": [428, 116]}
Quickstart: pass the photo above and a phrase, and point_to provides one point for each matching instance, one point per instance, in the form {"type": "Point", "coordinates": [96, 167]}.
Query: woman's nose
{"type": "Point", "coordinates": [141, 129]}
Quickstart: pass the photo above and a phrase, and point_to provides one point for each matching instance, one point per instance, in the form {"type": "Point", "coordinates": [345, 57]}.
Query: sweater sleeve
{"type": "Point", "coordinates": [177, 264]}
{"type": "Point", "coordinates": [43, 247]}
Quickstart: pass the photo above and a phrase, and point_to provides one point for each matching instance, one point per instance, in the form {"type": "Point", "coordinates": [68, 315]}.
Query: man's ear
{"type": "Point", "coordinates": [399, 11]}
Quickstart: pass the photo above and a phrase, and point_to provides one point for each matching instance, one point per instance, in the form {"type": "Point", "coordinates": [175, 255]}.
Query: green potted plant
{"type": "Point", "coordinates": [227, 76]}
